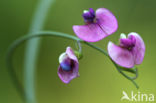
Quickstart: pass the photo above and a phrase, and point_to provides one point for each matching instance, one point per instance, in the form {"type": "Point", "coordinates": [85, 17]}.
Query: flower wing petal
{"type": "Point", "coordinates": [139, 49]}
{"type": "Point", "coordinates": [90, 32]}
{"type": "Point", "coordinates": [120, 56]}
{"type": "Point", "coordinates": [67, 76]}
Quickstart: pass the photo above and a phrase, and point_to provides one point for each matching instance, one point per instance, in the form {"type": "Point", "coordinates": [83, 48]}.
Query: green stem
{"type": "Point", "coordinates": [79, 47]}
{"type": "Point", "coordinates": [46, 34]}
{"type": "Point", "coordinates": [15, 44]}
{"type": "Point", "coordinates": [97, 48]}
{"type": "Point", "coordinates": [117, 67]}
{"type": "Point", "coordinates": [128, 70]}
{"type": "Point", "coordinates": [32, 49]}
{"type": "Point", "coordinates": [129, 78]}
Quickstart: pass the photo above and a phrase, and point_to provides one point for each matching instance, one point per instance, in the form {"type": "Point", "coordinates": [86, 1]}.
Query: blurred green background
{"type": "Point", "coordinates": [99, 81]}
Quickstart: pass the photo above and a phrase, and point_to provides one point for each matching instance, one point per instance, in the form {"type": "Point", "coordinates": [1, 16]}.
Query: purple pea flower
{"type": "Point", "coordinates": [98, 25]}
{"type": "Point", "coordinates": [130, 52]}
{"type": "Point", "coordinates": [69, 66]}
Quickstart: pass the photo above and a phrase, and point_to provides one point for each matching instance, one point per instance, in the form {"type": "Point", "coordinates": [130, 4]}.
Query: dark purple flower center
{"type": "Point", "coordinates": [67, 65]}
{"type": "Point", "coordinates": [128, 43]}
{"type": "Point", "coordinates": [89, 16]}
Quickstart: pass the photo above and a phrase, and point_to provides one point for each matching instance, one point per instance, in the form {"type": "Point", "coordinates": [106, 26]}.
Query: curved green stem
{"type": "Point", "coordinates": [129, 70]}
{"type": "Point", "coordinates": [46, 34]}
{"type": "Point", "coordinates": [79, 46]}
{"type": "Point", "coordinates": [12, 48]}
{"type": "Point", "coordinates": [117, 67]}
{"type": "Point", "coordinates": [97, 48]}
{"type": "Point", "coordinates": [129, 78]}
{"type": "Point", "coordinates": [12, 72]}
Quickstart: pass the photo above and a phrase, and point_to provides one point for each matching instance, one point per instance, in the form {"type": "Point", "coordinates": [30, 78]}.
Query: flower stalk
{"type": "Point", "coordinates": [17, 43]}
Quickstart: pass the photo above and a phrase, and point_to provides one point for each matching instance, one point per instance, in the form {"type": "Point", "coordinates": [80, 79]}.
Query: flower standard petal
{"type": "Point", "coordinates": [139, 49]}
{"type": "Point", "coordinates": [106, 20]}
{"type": "Point", "coordinates": [120, 56]}
{"type": "Point", "coordinates": [70, 71]}
{"type": "Point", "coordinates": [103, 24]}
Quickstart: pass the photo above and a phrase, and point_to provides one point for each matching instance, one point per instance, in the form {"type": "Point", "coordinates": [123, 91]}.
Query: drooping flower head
{"type": "Point", "coordinates": [130, 52]}
{"type": "Point", "coordinates": [69, 66]}
{"type": "Point", "coordinates": [98, 25]}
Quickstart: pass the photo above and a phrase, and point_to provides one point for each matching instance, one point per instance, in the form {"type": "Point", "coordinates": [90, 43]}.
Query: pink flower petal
{"type": "Point", "coordinates": [89, 33]}
{"type": "Point", "coordinates": [120, 56]}
{"type": "Point", "coordinates": [139, 49]}
{"type": "Point", "coordinates": [67, 76]}
{"type": "Point", "coordinates": [106, 20]}
{"type": "Point", "coordinates": [105, 25]}
{"type": "Point", "coordinates": [71, 54]}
